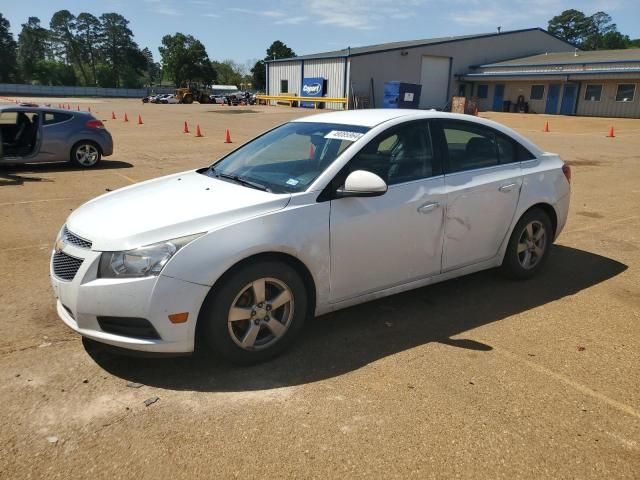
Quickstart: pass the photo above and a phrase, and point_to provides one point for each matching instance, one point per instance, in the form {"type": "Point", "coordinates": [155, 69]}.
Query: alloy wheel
{"type": "Point", "coordinates": [260, 314]}
{"type": "Point", "coordinates": [87, 155]}
{"type": "Point", "coordinates": [532, 244]}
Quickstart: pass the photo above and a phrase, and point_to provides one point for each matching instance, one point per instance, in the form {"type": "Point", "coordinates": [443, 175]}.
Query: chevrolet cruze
{"type": "Point", "coordinates": [318, 214]}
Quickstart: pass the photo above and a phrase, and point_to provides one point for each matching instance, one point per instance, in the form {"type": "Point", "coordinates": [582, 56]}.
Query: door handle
{"type": "Point", "coordinates": [428, 207]}
{"type": "Point", "coordinates": [508, 188]}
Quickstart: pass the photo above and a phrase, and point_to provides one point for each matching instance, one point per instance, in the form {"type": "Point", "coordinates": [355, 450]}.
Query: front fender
{"type": "Point", "coordinates": [300, 230]}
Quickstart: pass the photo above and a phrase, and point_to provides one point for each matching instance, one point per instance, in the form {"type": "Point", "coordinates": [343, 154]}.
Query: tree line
{"type": "Point", "coordinates": [86, 50]}
{"type": "Point", "coordinates": [590, 32]}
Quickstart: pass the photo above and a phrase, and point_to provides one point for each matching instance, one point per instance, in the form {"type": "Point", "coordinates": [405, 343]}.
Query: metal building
{"type": "Point", "coordinates": [436, 64]}
{"type": "Point", "coordinates": [598, 83]}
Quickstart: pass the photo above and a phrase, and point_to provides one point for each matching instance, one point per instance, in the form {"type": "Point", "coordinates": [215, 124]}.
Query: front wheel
{"type": "Point", "coordinates": [256, 313]}
{"type": "Point", "coordinates": [85, 154]}
{"type": "Point", "coordinates": [529, 245]}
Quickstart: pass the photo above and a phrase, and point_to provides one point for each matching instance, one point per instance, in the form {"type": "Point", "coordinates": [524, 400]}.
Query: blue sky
{"type": "Point", "coordinates": [242, 29]}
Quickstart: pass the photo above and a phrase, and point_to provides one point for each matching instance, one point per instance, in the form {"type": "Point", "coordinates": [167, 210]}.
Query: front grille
{"type": "Point", "coordinates": [129, 327]}
{"type": "Point", "coordinates": [65, 266]}
{"type": "Point", "coordinates": [74, 239]}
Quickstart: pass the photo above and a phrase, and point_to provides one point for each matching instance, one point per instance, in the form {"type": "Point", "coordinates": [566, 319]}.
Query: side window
{"type": "Point", "coordinates": [469, 146]}
{"type": "Point", "coordinates": [506, 149]}
{"type": "Point", "coordinates": [483, 91]}
{"type": "Point", "coordinates": [537, 92]}
{"type": "Point", "coordinates": [400, 155]}
{"type": "Point", "coordinates": [284, 86]}
{"type": "Point", "coordinates": [51, 118]}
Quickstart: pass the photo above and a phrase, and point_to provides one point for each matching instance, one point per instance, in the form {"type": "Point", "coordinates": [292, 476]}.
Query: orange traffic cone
{"type": "Point", "coordinates": [126, 118]}
{"type": "Point", "coordinates": [68, 107]}
{"type": "Point", "coordinates": [198, 132]}
{"type": "Point", "coordinates": [186, 128]}
{"type": "Point", "coordinates": [227, 137]}
{"type": "Point", "coordinates": [546, 127]}
{"type": "Point", "coordinates": [611, 134]}
{"type": "Point", "coordinates": [78, 107]}
{"type": "Point", "coordinates": [113, 115]}
{"type": "Point", "coordinates": [140, 122]}
{"type": "Point", "coordinates": [89, 109]}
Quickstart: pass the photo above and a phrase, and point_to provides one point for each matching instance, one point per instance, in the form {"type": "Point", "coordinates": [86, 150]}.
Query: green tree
{"type": "Point", "coordinates": [65, 42]}
{"type": "Point", "coordinates": [88, 29]}
{"type": "Point", "coordinates": [185, 59]}
{"type": "Point", "coordinates": [33, 48]}
{"type": "Point", "coordinates": [259, 75]}
{"type": "Point", "coordinates": [8, 52]}
{"type": "Point", "coordinates": [571, 25]}
{"type": "Point", "coordinates": [118, 51]}
{"type": "Point", "coordinates": [279, 50]}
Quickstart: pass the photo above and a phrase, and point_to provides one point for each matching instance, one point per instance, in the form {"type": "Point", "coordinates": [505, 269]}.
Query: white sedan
{"type": "Point", "coordinates": [318, 214]}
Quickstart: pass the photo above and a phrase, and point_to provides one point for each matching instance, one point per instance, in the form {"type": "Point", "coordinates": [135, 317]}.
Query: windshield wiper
{"type": "Point", "coordinates": [241, 181]}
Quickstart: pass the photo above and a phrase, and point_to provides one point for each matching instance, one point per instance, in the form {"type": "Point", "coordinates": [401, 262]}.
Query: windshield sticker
{"type": "Point", "coordinates": [293, 182]}
{"type": "Point", "coordinates": [343, 135]}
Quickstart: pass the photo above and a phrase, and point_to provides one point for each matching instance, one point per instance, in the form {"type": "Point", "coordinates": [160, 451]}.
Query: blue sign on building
{"type": "Point", "coordinates": [312, 87]}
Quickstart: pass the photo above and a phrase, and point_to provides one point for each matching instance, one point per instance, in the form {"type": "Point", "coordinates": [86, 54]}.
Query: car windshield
{"type": "Point", "coordinates": [288, 158]}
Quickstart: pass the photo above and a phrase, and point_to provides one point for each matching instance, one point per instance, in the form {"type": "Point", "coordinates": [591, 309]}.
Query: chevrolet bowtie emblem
{"type": "Point", "coordinates": [60, 242]}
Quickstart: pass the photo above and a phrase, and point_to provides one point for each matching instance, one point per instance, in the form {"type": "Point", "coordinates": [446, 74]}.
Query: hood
{"type": "Point", "coordinates": [167, 208]}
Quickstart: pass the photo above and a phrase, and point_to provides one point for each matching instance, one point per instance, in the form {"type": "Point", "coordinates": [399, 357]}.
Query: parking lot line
{"type": "Point", "coordinates": [8, 204]}
{"type": "Point", "coordinates": [27, 247]}
{"type": "Point", "coordinates": [567, 381]}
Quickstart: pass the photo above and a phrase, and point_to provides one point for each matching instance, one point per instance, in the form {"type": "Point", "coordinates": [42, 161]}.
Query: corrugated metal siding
{"type": "Point", "coordinates": [333, 71]}
{"type": "Point", "coordinates": [607, 106]}
{"type": "Point", "coordinates": [393, 65]}
{"type": "Point", "coordinates": [290, 71]}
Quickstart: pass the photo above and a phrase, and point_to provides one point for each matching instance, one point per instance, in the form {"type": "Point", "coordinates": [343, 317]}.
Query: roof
{"type": "Point", "coordinates": [26, 108]}
{"type": "Point", "coordinates": [571, 58]}
{"type": "Point", "coordinates": [365, 118]}
{"type": "Point", "coordinates": [383, 47]}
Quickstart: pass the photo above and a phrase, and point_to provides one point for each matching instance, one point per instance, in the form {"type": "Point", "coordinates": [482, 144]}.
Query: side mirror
{"type": "Point", "coordinates": [362, 184]}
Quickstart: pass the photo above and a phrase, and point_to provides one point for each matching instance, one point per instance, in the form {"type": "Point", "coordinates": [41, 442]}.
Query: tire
{"type": "Point", "coordinates": [86, 154]}
{"type": "Point", "coordinates": [239, 328]}
{"type": "Point", "coordinates": [188, 99]}
{"type": "Point", "coordinates": [529, 245]}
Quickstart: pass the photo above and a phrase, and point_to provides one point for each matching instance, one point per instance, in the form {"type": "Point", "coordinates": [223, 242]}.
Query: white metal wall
{"type": "Point", "coordinates": [333, 70]}
{"type": "Point", "coordinates": [284, 71]}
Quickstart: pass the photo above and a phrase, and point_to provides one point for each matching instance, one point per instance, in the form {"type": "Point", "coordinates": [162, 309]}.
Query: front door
{"type": "Point", "coordinates": [393, 239]}
{"type": "Point", "coordinates": [552, 99]}
{"type": "Point", "coordinates": [498, 97]}
{"type": "Point", "coordinates": [483, 180]}
{"type": "Point", "coordinates": [568, 99]}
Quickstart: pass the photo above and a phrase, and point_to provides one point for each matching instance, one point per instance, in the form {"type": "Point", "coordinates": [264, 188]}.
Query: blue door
{"type": "Point", "coordinates": [568, 99]}
{"type": "Point", "coordinates": [498, 97]}
{"type": "Point", "coordinates": [552, 99]}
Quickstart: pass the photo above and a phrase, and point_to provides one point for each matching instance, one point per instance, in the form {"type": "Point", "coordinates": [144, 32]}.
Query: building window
{"type": "Point", "coordinates": [626, 92]}
{"type": "Point", "coordinates": [593, 93]}
{"type": "Point", "coordinates": [483, 91]}
{"type": "Point", "coordinates": [284, 86]}
{"type": "Point", "coordinates": [537, 92]}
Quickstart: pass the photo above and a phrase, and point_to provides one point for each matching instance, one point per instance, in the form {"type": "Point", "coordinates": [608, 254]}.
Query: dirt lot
{"type": "Point", "coordinates": [477, 377]}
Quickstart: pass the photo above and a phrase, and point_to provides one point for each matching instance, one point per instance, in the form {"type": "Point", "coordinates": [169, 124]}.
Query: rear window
{"type": "Point", "coordinates": [51, 118]}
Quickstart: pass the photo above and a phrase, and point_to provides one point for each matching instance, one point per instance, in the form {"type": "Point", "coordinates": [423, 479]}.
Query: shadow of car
{"type": "Point", "coordinates": [347, 340]}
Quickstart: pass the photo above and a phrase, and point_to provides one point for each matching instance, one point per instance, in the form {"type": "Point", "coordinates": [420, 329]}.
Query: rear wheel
{"type": "Point", "coordinates": [188, 99]}
{"type": "Point", "coordinates": [85, 154]}
{"type": "Point", "coordinates": [529, 245]}
{"type": "Point", "coordinates": [256, 313]}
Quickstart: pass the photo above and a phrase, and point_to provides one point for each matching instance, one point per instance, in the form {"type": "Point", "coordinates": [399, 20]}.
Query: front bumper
{"type": "Point", "coordinates": [86, 297]}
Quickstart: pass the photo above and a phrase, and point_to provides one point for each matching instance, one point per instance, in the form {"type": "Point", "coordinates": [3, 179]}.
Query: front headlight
{"type": "Point", "coordinates": [141, 262]}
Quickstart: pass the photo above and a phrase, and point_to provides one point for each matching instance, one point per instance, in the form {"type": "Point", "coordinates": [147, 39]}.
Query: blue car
{"type": "Point", "coordinates": [34, 134]}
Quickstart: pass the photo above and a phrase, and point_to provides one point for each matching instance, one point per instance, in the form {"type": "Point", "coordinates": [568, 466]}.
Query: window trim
{"type": "Point", "coordinates": [586, 87]}
{"type": "Point", "coordinates": [443, 148]}
{"type": "Point", "coordinates": [633, 98]}
{"type": "Point", "coordinates": [437, 166]}
{"type": "Point", "coordinates": [544, 91]}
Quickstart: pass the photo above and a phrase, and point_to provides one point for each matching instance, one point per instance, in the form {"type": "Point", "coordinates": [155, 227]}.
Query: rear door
{"type": "Point", "coordinates": [552, 99]}
{"type": "Point", "coordinates": [482, 181]}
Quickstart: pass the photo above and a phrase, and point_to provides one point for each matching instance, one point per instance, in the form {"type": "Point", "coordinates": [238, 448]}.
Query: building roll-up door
{"type": "Point", "coordinates": [434, 77]}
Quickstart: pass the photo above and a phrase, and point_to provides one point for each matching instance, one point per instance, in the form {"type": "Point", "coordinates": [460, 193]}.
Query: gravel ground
{"type": "Point", "coordinates": [477, 377]}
